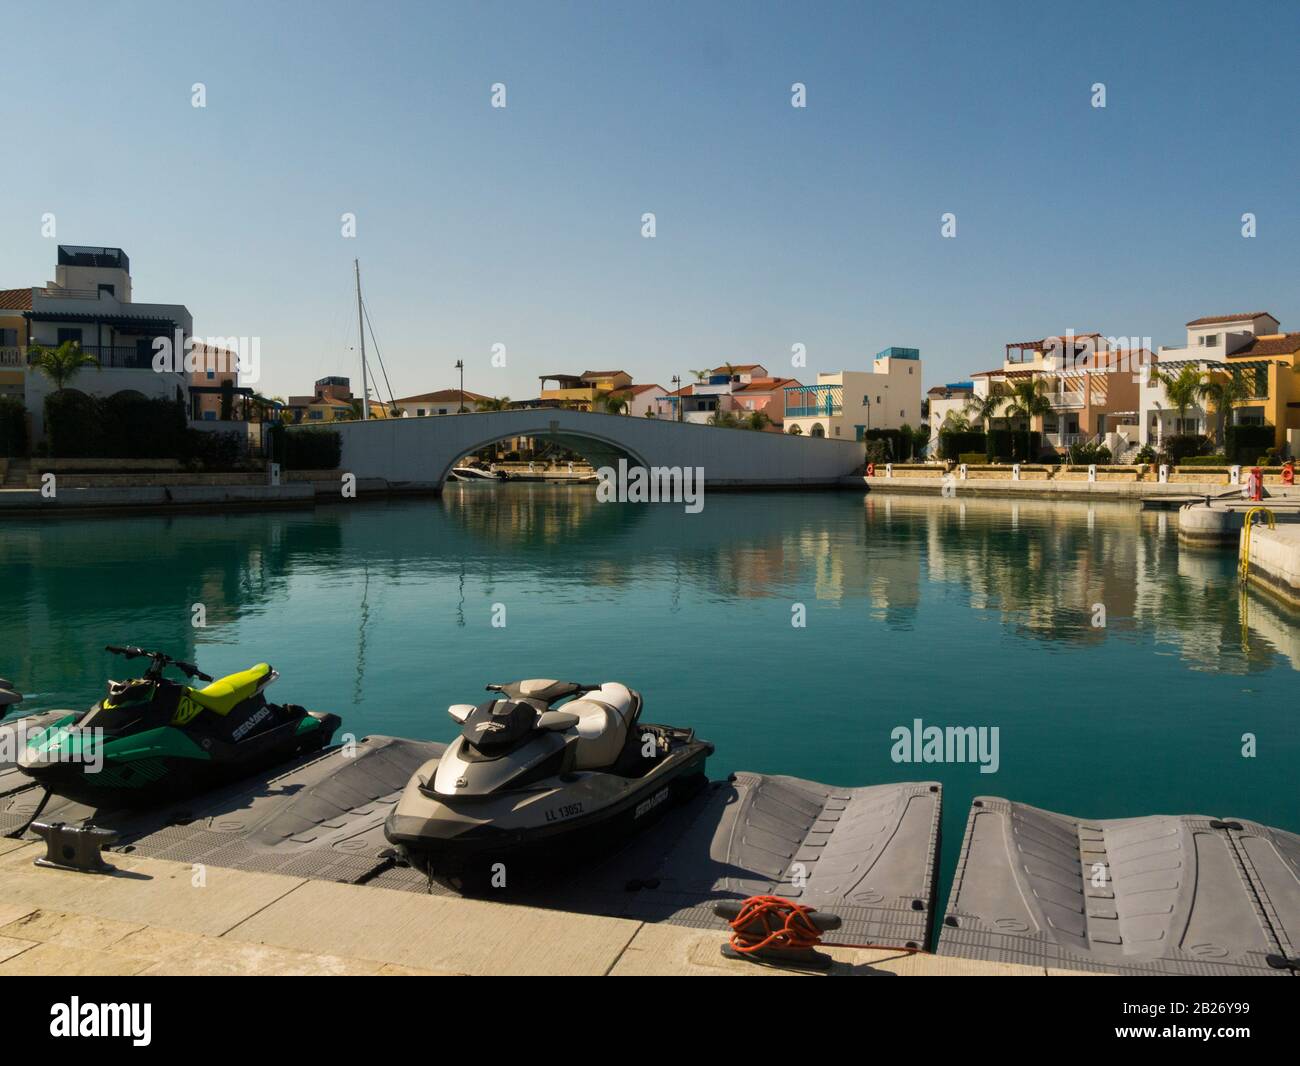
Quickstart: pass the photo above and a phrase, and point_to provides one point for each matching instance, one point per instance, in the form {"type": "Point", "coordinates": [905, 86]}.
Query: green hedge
{"type": "Point", "coordinates": [1244, 444]}
{"type": "Point", "coordinates": [1206, 460]}
{"type": "Point", "coordinates": [953, 443]}
{"type": "Point", "coordinates": [13, 427]}
{"type": "Point", "coordinates": [306, 449]}
{"type": "Point", "coordinates": [1181, 446]}
{"type": "Point", "coordinates": [1013, 445]}
{"type": "Point", "coordinates": [896, 448]}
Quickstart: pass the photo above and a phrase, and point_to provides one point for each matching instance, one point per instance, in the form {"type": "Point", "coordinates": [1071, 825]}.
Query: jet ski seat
{"type": "Point", "coordinates": [604, 716]}
{"type": "Point", "coordinates": [227, 693]}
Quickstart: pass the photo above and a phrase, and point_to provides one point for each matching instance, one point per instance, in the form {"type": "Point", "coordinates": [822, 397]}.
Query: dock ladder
{"type": "Point", "coordinates": [1243, 559]}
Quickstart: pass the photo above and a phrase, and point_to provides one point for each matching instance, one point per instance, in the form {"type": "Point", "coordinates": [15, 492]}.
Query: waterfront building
{"type": "Point", "coordinates": [586, 391]}
{"type": "Point", "coordinates": [1091, 383]}
{"type": "Point", "coordinates": [713, 395]}
{"type": "Point", "coordinates": [641, 400]}
{"type": "Point", "coordinates": [851, 403]}
{"type": "Point", "coordinates": [440, 402]}
{"type": "Point", "coordinates": [90, 302]}
{"type": "Point", "coordinates": [945, 400]}
{"type": "Point", "coordinates": [331, 401]}
{"type": "Point", "coordinates": [1251, 344]}
{"type": "Point", "coordinates": [764, 395]}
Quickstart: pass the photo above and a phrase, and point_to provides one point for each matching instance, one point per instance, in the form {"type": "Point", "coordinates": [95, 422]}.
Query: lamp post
{"type": "Point", "coordinates": [460, 365]}
{"type": "Point", "coordinates": [677, 388]}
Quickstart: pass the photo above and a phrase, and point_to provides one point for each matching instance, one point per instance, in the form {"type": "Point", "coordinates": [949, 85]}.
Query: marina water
{"type": "Point", "coordinates": [917, 612]}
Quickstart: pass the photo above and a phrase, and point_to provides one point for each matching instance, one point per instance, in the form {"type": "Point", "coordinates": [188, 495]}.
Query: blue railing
{"type": "Point", "coordinates": [826, 409]}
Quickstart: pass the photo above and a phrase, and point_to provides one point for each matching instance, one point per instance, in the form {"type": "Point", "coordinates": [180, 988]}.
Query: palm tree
{"type": "Point", "coordinates": [1028, 400]}
{"type": "Point", "coordinates": [494, 403]}
{"type": "Point", "coordinates": [614, 404]}
{"type": "Point", "coordinates": [700, 375]}
{"type": "Point", "coordinates": [955, 422]}
{"type": "Point", "coordinates": [757, 420]}
{"type": "Point", "coordinates": [1182, 389]}
{"type": "Point", "coordinates": [984, 409]}
{"type": "Point", "coordinates": [61, 364]}
{"type": "Point", "coordinates": [1222, 392]}
{"type": "Point", "coordinates": [795, 430]}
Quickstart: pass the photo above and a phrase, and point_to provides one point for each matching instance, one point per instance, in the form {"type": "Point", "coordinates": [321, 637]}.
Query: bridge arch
{"type": "Point", "coordinates": [597, 449]}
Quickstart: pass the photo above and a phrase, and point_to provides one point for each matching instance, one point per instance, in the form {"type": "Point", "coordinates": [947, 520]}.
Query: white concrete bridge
{"type": "Point", "coordinates": [418, 453]}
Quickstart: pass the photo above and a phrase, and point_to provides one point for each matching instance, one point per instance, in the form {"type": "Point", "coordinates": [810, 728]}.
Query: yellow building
{"type": "Point", "coordinates": [13, 341]}
{"type": "Point", "coordinates": [586, 391]}
{"type": "Point", "coordinates": [1276, 401]}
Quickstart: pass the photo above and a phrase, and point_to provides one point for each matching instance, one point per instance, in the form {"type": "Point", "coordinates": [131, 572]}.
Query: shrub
{"type": "Point", "coordinates": [1243, 443]}
{"type": "Point", "coordinates": [1205, 460]}
{"type": "Point", "coordinates": [897, 448]}
{"type": "Point", "coordinates": [1179, 447]}
{"type": "Point", "coordinates": [72, 424]}
{"type": "Point", "coordinates": [136, 427]}
{"type": "Point", "coordinates": [1089, 453]}
{"type": "Point", "coordinates": [307, 449]}
{"type": "Point", "coordinates": [213, 451]}
{"type": "Point", "coordinates": [1013, 445]}
{"type": "Point", "coordinates": [1146, 454]}
{"type": "Point", "coordinates": [877, 451]}
{"type": "Point", "coordinates": [972, 458]}
{"type": "Point", "coordinates": [952, 443]}
{"type": "Point", "coordinates": [13, 426]}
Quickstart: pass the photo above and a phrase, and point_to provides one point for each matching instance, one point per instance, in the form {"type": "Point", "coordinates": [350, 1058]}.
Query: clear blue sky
{"type": "Point", "coordinates": [775, 225]}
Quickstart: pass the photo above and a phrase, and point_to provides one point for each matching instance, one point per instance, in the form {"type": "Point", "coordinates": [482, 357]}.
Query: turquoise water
{"type": "Point", "coordinates": [957, 612]}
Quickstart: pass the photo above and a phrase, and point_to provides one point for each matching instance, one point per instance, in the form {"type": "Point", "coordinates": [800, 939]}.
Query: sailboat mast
{"type": "Point", "coordinates": [361, 332]}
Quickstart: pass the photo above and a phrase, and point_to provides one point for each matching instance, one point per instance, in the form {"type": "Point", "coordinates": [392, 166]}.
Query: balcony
{"type": "Point", "coordinates": [109, 357]}
{"type": "Point", "coordinates": [826, 410]}
{"type": "Point", "coordinates": [1066, 399]}
{"type": "Point", "coordinates": [12, 358]}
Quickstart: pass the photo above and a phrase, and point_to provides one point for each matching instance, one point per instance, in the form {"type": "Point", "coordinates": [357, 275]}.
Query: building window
{"type": "Point", "coordinates": [211, 374]}
{"type": "Point", "coordinates": [8, 338]}
{"type": "Point", "coordinates": [105, 287]}
{"type": "Point", "coordinates": [314, 415]}
{"type": "Point", "coordinates": [419, 412]}
{"type": "Point", "coordinates": [1210, 340]}
{"type": "Point", "coordinates": [837, 431]}
{"type": "Point", "coordinates": [69, 334]}
{"type": "Point", "coordinates": [877, 399]}
{"type": "Point", "coordinates": [209, 416]}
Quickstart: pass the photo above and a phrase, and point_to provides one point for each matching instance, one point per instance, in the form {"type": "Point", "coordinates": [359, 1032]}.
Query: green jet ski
{"type": "Point", "coordinates": [152, 738]}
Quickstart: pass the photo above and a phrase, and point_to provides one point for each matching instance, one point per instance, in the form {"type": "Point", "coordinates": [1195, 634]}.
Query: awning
{"type": "Point", "coordinates": [117, 320]}
{"type": "Point", "coordinates": [1212, 364]}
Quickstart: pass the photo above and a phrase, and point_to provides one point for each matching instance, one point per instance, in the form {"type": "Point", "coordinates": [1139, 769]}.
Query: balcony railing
{"type": "Point", "coordinates": [825, 410]}
{"type": "Point", "coordinates": [12, 357]}
{"type": "Point", "coordinates": [1066, 399]}
{"type": "Point", "coordinates": [109, 357]}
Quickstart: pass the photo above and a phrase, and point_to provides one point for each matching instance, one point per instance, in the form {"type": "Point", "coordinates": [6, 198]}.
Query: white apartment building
{"type": "Point", "coordinates": [850, 403]}
{"type": "Point", "coordinates": [1210, 341]}
{"type": "Point", "coordinates": [90, 302]}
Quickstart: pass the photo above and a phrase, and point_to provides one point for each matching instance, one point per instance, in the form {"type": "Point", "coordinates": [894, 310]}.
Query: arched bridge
{"type": "Point", "coordinates": [420, 452]}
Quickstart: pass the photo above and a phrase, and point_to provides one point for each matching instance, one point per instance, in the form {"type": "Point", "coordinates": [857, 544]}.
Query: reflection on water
{"type": "Point", "coordinates": [958, 611]}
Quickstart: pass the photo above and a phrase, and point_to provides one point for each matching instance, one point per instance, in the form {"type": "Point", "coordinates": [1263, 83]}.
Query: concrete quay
{"type": "Point", "coordinates": [1274, 565]}
{"type": "Point", "coordinates": [152, 917]}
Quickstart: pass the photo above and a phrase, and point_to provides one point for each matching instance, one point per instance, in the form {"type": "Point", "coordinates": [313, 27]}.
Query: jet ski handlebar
{"type": "Point", "coordinates": [161, 661]}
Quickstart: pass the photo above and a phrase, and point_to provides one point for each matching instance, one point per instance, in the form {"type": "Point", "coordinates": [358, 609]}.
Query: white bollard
{"type": "Point", "coordinates": [962, 470]}
{"type": "Point", "coordinates": [1164, 474]}
{"type": "Point", "coordinates": [1092, 472]}
{"type": "Point", "coordinates": [274, 471]}
{"type": "Point", "coordinates": [889, 470]}
{"type": "Point", "coordinates": [1015, 471]}
{"type": "Point", "coordinates": [1234, 475]}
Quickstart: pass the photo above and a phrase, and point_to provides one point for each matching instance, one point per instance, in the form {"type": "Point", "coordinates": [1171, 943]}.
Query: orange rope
{"type": "Point", "coordinates": [771, 921]}
{"type": "Point", "coordinates": [778, 923]}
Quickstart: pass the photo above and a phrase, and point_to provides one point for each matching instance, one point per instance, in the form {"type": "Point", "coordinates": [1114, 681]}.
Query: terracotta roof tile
{"type": "Point", "coordinates": [442, 395]}
{"type": "Point", "coordinates": [1212, 319]}
{"type": "Point", "coordinates": [1282, 344]}
{"type": "Point", "coordinates": [16, 299]}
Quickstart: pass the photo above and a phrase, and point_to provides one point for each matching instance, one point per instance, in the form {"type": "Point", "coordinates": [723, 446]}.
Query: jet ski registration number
{"type": "Point", "coordinates": [558, 814]}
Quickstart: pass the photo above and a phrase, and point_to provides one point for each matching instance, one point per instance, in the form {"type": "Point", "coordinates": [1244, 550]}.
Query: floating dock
{"type": "Point", "coordinates": [294, 874]}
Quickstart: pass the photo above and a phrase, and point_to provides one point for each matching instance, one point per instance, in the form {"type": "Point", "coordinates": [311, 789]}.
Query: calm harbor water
{"type": "Point", "coordinates": [957, 612]}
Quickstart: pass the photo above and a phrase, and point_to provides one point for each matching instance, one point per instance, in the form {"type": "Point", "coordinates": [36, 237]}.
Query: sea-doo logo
{"type": "Point", "coordinates": [646, 806]}
{"type": "Point", "coordinates": [132, 1020]}
{"type": "Point", "coordinates": [260, 716]}
{"type": "Point", "coordinates": [186, 710]}
{"type": "Point", "coordinates": [489, 727]}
